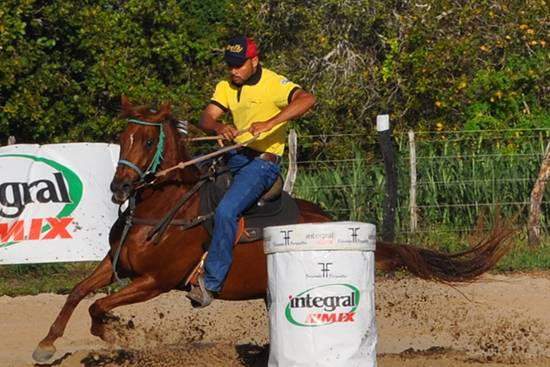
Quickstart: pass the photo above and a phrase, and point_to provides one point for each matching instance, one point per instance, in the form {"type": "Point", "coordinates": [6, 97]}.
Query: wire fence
{"type": "Point", "coordinates": [460, 177]}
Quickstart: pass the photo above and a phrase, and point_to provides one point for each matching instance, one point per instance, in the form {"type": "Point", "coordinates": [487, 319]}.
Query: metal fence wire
{"type": "Point", "coordinates": [459, 177]}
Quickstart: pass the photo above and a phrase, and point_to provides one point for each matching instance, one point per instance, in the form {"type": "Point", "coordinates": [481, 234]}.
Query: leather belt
{"type": "Point", "coordinates": [266, 156]}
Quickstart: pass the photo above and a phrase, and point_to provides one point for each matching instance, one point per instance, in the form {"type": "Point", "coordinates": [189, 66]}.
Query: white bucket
{"type": "Point", "coordinates": [321, 294]}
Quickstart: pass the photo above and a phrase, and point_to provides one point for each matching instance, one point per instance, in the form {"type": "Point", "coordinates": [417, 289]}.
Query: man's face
{"type": "Point", "coordinates": [240, 74]}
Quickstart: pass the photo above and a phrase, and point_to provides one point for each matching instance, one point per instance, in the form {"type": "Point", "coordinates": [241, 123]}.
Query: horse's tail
{"type": "Point", "coordinates": [461, 267]}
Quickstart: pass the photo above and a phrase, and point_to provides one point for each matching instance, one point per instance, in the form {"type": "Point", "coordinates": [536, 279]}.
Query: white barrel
{"type": "Point", "coordinates": [321, 294]}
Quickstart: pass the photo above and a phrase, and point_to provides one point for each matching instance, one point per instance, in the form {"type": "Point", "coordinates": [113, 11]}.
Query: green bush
{"type": "Point", "coordinates": [439, 65]}
{"type": "Point", "coordinates": [64, 65]}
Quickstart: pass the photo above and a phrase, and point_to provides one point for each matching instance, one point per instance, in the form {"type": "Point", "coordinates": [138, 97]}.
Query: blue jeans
{"type": "Point", "coordinates": [251, 178]}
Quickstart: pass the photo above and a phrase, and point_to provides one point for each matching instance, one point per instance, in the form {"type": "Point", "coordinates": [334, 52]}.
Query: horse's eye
{"type": "Point", "coordinates": [149, 143]}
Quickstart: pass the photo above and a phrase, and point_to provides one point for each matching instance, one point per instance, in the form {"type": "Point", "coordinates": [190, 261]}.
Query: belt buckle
{"type": "Point", "coordinates": [270, 157]}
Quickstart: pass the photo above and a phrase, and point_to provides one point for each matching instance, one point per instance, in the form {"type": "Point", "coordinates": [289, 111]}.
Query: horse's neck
{"type": "Point", "coordinates": [173, 154]}
{"type": "Point", "coordinates": [156, 200]}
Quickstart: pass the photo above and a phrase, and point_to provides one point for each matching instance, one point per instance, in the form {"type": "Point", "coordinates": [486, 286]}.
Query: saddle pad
{"type": "Point", "coordinates": [255, 222]}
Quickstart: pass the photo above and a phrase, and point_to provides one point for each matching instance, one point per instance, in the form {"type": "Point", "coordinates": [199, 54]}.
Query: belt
{"type": "Point", "coordinates": [266, 156]}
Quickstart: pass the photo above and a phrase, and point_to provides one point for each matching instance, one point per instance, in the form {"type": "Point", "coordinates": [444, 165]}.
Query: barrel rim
{"type": "Point", "coordinates": [328, 236]}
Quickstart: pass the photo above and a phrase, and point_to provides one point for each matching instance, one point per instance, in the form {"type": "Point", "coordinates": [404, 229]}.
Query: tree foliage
{"type": "Point", "coordinates": [64, 65]}
{"type": "Point", "coordinates": [439, 65]}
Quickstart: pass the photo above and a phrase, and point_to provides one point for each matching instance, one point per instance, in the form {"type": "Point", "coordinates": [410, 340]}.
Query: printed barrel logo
{"type": "Point", "coordinates": [323, 305]}
{"type": "Point", "coordinates": [53, 196]}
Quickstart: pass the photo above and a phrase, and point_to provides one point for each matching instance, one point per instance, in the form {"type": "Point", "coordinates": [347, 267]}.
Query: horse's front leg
{"type": "Point", "coordinates": [102, 276]}
{"type": "Point", "coordinates": [139, 290]}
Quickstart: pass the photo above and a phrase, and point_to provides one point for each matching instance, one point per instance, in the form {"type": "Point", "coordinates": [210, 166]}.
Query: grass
{"type": "Point", "coordinates": [461, 174]}
{"type": "Point", "coordinates": [522, 256]}
{"type": "Point", "coordinates": [59, 278]}
{"type": "Point", "coordinates": [526, 258]}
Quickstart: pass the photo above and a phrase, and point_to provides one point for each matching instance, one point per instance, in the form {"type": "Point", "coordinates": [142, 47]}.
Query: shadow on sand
{"type": "Point", "coordinates": [251, 355]}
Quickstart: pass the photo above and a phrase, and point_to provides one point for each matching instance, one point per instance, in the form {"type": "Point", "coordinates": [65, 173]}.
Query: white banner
{"type": "Point", "coordinates": [55, 202]}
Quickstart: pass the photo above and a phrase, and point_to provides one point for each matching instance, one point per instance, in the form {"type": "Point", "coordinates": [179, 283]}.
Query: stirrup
{"type": "Point", "coordinates": [198, 271]}
{"type": "Point", "coordinates": [200, 296]}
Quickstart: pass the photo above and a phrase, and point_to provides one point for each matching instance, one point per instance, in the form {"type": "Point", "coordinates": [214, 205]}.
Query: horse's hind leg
{"type": "Point", "coordinates": [101, 277]}
{"type": "Point", "coordinates": [139, 290]}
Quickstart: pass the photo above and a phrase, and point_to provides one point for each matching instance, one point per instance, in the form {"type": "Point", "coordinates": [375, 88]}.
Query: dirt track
{"type": "Point", "coordinates": [499, 321]}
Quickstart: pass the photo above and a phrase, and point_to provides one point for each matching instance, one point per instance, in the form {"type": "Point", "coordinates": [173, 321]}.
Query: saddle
{"type": "Point", "coordinates": [275, 207]}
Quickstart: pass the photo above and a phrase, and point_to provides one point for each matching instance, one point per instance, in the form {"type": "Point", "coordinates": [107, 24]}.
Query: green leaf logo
{"type": "Point", "coordinates": [323, 305]}
{"type": "Point", "coordinates": [74, 184]}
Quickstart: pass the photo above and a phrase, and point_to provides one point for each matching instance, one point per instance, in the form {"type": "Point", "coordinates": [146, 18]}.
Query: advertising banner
{"type": "Point", "coordinates": [55, 202]}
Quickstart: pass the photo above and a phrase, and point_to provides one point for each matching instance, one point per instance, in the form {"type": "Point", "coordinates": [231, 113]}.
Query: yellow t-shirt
{"type": "Point", "coordinates": [255, 102]}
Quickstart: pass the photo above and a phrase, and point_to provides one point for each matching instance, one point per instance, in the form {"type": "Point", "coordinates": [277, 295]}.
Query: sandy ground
{"type": "Point", "coordinates": [497, 321]}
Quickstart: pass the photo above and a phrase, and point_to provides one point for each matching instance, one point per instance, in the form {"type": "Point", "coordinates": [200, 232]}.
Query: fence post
{"type": "Point", "coordinates": [388, 154]}
{"type": "Point", "coordinates": [533, 222]}
{"type": "Point", "coordinates": [292, 165]}
{"type": "Point", "coordinates": [412, 193]}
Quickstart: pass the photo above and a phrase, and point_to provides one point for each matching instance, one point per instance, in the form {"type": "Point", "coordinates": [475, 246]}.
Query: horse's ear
{"type": "Point", "coordinates": [124, 101]}
{"type": "Point", "coordinates": [126, 105]}
{"type": "Point", "coordinates": [165, 110]}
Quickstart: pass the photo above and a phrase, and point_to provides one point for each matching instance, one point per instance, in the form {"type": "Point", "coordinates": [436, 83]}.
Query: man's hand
{"type": "Point", "coordinates": [259, 127]}
{"type": "Point", "coordinates": [227, 131]}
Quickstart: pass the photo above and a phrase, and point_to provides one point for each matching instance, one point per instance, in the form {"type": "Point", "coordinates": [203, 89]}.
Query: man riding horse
{"type": "Point", "coordinates": [161, 263]}
{"type": "Point", "coordinates": [260, 102]}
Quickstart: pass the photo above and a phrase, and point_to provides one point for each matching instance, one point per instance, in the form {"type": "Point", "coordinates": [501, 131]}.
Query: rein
{"type": "Point", "coordinates": [215, 137]}
{"type": "Point", "coordinates": [202, 158]}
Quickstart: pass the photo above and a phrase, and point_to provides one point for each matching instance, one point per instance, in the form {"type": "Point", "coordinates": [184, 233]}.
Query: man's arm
{"type": "Point", "coordinates": [301, 102]}
{"type": "Point", "coordinates": [210, 121]}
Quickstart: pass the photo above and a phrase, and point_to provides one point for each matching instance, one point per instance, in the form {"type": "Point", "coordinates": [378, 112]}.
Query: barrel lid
{"type": "Point", "coordinates": [327, 236]}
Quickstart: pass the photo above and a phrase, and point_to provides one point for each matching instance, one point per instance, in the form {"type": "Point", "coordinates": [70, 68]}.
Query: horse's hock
{"type": "Point", "coordinates": [321, 294]}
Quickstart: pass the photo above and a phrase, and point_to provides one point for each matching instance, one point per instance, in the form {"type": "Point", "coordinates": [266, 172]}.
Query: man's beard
{"type": "Point", "coordinates": [237, 81]}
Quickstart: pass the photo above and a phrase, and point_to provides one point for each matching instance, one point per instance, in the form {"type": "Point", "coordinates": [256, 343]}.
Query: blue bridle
{"type": "Point", "coordinates": [156, 158]}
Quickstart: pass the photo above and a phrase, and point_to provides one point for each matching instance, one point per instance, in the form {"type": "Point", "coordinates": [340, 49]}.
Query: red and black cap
{"type": "Point", "coordinates": [239, 49]}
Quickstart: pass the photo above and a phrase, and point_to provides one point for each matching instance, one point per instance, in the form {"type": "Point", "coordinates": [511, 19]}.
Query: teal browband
{"type": "Point", "coordinates": [158, 154]}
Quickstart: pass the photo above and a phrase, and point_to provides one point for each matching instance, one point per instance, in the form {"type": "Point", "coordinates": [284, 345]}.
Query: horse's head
{"type": "Point", "coordinates": [141, 148]}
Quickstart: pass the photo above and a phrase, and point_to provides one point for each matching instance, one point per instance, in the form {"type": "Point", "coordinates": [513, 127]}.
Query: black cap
{"type": "Point", "coordinates": [239, 49]}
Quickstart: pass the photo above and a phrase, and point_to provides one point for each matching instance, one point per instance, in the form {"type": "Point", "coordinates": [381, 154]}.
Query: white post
{"type": "Point", "coordinates": [292, 165]}
{"type": "Point", "coordinates": [412, 200]}
{"type": "Point", "coordinates": [382, 122]}
{"type": "Point", "coordinates": [390, 167]}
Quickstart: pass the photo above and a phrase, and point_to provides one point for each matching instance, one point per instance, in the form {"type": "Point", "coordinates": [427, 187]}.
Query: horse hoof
{"type": "Point", "coordinates": [42, 354]}
{"type": "Point", "coordinates": [103, 333]}
{"type": "Point", "coordinates": [109, 337]}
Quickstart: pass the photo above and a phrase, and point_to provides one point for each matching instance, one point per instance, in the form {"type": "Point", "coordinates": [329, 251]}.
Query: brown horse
{"type": "Point", "coordinates": [151, 142]}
